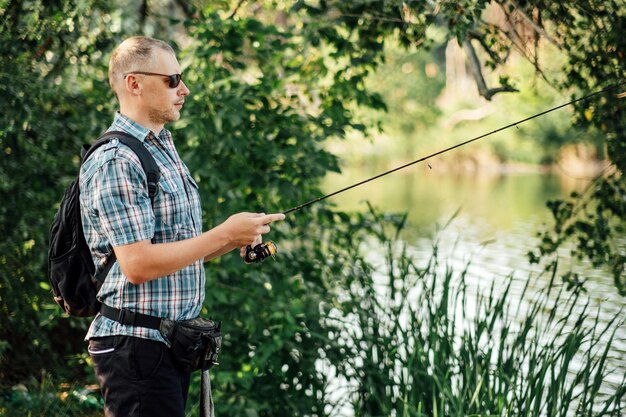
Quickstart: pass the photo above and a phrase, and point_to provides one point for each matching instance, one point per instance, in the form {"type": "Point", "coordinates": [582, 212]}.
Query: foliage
{"type": "Point", "coordinates": [43, 123]}
{"type": "Point", "coordinates": [595, 221]}
{"type": "Point", "coordinates": [591, 220]}
{"type": "Point", "coordinates": [43, 398]}
{"type": "Point", "coordinates": [264, 100]}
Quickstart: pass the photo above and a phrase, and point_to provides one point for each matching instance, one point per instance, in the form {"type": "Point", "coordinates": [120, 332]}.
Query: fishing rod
{"type": "Point", "coordinates": [264, 250]}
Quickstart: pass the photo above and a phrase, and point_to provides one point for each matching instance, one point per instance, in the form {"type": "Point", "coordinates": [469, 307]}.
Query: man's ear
{"type": "Point", "coordinates": [132, 85]}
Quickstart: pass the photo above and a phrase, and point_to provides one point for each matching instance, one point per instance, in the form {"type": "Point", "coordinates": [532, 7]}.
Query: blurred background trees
{"type": "Point", "coordinates": [272, 83]}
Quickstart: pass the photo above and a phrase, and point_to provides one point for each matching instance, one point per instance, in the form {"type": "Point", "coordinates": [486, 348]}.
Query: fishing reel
{"type": "Point", "coordinates": [260, 252]}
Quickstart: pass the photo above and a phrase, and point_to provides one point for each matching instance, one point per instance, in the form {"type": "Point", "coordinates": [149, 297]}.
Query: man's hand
{"type": "Point", "coordinates": [243, 249]}
{"type": "Point", "coordinates": [243, 229]}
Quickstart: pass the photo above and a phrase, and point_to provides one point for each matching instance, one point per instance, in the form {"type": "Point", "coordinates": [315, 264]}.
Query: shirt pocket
{"type": "Point", "coordinates": [171, 202]}
{"type": "Point", "coordinates": [191, 181]}
{"type": "Point", "coordinates": [192, 226]}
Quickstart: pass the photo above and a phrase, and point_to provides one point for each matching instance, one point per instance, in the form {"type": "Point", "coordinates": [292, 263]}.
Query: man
{"type": "Point", "coordinates": [159, 244]}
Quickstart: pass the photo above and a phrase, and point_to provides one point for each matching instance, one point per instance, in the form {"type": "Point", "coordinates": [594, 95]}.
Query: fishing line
{"type": "Point", "coordinates": [569, 103]}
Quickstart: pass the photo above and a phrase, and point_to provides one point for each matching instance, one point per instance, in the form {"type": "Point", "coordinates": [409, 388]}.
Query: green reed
{"type": "Point", "coordinates": [414, 343]}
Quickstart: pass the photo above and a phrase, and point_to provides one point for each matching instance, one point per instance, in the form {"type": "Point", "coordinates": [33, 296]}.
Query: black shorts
{"type": "Point", "coordinates": [138, 378]}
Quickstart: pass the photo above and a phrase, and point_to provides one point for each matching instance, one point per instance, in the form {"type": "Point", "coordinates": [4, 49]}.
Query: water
{"type": "Point", "coordinates": [499, 215]}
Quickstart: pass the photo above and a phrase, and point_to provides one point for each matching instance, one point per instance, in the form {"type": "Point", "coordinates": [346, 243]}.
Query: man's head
{"type": "Point", "coordinates": [146, 79]}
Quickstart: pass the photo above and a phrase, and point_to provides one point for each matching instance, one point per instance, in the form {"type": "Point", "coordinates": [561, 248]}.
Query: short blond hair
{"type": "Point", "coordinates": [132, 53]}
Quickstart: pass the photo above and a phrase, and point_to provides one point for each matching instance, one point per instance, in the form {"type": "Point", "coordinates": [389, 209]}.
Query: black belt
{"type": "Point", "coordinates": [130, 318]}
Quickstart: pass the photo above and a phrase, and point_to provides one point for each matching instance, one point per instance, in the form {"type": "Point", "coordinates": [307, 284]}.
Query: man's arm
{"type": "Point", "coordinates": [144, 261]}
{"type": "Point", "coordinates": [242, 250]}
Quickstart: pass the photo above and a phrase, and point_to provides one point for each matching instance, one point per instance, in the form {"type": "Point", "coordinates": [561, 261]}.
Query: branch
{"type": "Point", "coordinates": [477, 73]}
{"type": "Point", "coordinates": [524, 54]}
{"type": "Point", "coordinates": [472, 34]}
{"type": "Point", "coordinates": [534, 25]}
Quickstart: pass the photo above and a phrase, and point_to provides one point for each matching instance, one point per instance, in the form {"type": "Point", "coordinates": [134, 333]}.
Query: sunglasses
{"type": "Point", "coordinates": [174, 79]}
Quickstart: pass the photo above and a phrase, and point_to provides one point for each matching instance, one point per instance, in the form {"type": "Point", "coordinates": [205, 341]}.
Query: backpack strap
{"type": "Point", "coordinates": [148, 164]}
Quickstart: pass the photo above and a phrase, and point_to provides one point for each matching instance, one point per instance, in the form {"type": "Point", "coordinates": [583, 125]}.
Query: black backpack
{"type": "Point", "coordinates": [71, 270]}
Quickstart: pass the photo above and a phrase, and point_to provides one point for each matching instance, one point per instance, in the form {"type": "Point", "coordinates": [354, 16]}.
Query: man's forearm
{"type": "Point", "coordinates": [144, 261]}
{"type": "Point", "coordinates": [220, 252]}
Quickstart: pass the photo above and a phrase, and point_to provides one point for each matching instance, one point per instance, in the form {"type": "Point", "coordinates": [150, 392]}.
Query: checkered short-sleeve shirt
{"type": "Point", "coordinates": [116, 210]}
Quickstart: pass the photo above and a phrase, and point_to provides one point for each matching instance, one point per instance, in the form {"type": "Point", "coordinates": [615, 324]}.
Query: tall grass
{"type": "Point", "coordinates": [417, 341]}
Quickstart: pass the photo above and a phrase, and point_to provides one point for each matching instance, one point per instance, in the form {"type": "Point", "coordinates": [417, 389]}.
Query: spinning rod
{"type": "Point", "coordinates": [569, 103]}
{"type": "Point", "coordinates": [267, 249]}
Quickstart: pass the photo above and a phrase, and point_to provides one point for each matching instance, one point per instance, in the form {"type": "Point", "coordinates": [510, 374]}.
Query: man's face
{"type": "Point", "coordinates": [162, 102]}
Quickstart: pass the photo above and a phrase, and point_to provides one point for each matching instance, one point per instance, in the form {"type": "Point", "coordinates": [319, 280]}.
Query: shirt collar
{"type": "Point", "coordinates": [121, 122]}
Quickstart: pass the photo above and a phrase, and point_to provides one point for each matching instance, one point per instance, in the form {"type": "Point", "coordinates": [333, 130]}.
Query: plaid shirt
{"type": "Point", "coordinates": [116, 210]}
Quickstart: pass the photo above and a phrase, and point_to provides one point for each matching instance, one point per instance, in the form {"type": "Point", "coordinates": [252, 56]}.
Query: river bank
{"type": "Point", "coordinates": [580, 160]}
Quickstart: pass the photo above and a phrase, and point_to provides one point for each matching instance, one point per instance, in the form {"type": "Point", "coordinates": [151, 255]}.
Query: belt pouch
{"type": "Point", "coordinates": [195, 343]}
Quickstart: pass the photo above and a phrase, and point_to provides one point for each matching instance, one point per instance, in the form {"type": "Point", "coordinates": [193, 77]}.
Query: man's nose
{"type": "Point", "coordinates": [183, 91]}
